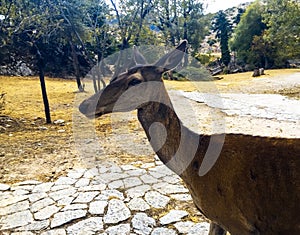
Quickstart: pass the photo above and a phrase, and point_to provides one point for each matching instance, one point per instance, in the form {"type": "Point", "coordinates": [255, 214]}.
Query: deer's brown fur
{"type": "Point", "coordinates": [254, 186]}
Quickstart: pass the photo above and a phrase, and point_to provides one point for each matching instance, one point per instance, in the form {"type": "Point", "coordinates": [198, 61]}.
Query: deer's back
{"type": "Point", "coordinates": [254, 187]}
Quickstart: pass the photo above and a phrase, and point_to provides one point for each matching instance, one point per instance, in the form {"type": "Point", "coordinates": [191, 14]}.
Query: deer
{"type": "Point", "coordinates": [252, 187]}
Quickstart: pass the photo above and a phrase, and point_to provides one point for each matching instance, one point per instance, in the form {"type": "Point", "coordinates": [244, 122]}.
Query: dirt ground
{"type": "Point", "coordinates": [31, 149]}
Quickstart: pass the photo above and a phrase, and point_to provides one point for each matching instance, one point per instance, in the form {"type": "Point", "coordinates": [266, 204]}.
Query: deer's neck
{"type": "Point", "coordinates": [173, 143]}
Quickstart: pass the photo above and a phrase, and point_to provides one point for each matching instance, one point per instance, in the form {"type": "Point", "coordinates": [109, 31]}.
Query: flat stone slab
{"type": "Point", "coordinates": [173, 216]}
{"type": "Point", "coordinates": [156, 200]}
{"type": "Point", "coordinates": [46, 212]}
{"type": "Point", "coordinates": [142, 223]}
{"type": "Point", "coordinates": [199, 229]}
{"type": "Point", "coordinates": [15, 220]}
{"type": "Point", "coordinates": [88, 226]}
{"type": "Point", "coordinates": [163, 231]}
{"type": "Point", "coordinates": [66, 216]}
{"type": "Point", "coordinates": [105, 200]}
{"type": "Point", "coordinates": [118, 229]}
{"type": "Point", "coordinates": [97, 207]}
{"type": "Point", "coordinates": [4, 187]}
{"type": "Point", "coordinates": [117, 211]}
{"type": "Point", "coordinates": [138, 204]}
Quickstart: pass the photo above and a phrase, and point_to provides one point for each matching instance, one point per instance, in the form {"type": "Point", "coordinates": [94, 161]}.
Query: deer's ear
{"type": "Point", "coordinates": [172, 59]}
{"type": "Point", "coordinates": [138, 57]}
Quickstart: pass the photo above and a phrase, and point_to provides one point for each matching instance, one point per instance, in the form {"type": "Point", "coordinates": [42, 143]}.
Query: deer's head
{"type": "Point", "coordinates": [135, 87]}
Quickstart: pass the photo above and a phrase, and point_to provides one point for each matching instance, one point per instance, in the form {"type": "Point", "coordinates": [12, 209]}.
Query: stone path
{"type": "Point", "coordinates": [108, 199]}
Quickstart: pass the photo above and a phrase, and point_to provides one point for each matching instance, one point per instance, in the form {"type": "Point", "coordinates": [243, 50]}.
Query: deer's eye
{"type": "Point", "coordinates": [134, 82]}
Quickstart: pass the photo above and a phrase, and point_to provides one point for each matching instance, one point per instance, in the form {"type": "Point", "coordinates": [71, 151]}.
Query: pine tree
{"type": "Point", "coordinates": [223, 29]}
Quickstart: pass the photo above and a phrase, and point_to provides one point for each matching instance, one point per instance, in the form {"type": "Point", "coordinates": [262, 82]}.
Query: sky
{"type": "Point", "coordinates": [217, 5]}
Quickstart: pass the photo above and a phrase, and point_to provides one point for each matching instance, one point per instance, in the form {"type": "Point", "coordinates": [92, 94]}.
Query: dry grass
{"type": "Point", "coordinates": [228, 82]}
{"type": "Point", "coordinates": [30, 149]}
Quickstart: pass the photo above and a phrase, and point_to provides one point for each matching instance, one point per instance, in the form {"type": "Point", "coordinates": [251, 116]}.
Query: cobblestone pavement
{"type": "Point", "coordinates": [108, 199]}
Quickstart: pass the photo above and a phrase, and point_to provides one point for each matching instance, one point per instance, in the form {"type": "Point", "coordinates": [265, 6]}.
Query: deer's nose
{"type": "Point", "coordinates": [83, 107]}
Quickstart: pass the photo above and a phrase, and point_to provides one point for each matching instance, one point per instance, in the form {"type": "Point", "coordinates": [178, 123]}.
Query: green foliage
{"type": "Point", "coordinates": [283, 20]}
{"type": "Point", "coordinates": [223, 29]}
{"type": "Point", "coordinates": [268, 34]}
{"type": "Point", "coordinates": [190, 73]}
{"type": "Point", "coordinates": [204, 59]}
{"type": "Point", "coordinates": [196, 74]}
{"type": "Point", "coordinates": [250, 25]}
{"type": "Point", "coordinates": [181, 19]}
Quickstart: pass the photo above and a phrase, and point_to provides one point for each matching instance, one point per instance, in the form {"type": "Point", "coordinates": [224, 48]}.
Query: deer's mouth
{"type": "Point", "coordinates": [90, 110]}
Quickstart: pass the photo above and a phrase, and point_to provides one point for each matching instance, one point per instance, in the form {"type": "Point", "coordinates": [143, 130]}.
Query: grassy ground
{"type": "Point", "coordinates": [31, 149]}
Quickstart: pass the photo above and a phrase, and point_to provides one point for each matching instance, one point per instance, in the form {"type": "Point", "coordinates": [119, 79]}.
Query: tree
{"type": "Point", "coordinates": [282, 18]}
{"type": "Point", "coordinates": [223, 29]}
{"type": "Point", "coordinates": [250, 27]}
{"type": "Point", "coordinates": [35, 32]}
{"type": "Point", "coordinates": [129, 25]}
{"type": "Point", "coordinates": [181, 19]}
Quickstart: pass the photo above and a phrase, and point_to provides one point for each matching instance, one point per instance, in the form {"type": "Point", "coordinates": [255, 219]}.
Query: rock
{"type": "Point", "coordinates": [20, 233]}
{"type": "Point", "coordinates": [184, 227]}
{"type": "Point", "coordinates": [23, 69]}
{"type": "Point", "coordinates": [156, 199]}
{"type": "Point", "coordinates": [4, 187]}
{"type": "Point", "coordinates": [87, 226]}
{"type": "Point", "coordinates": [142, 223]}
{"type": "Point", "coordinates": [91, 173]}
{"type": "Point", "coordinates": [148, 179]}
{"type": "Point", "coordinates": [15, 220]}
{"type": "Point", "coordinates": [182, 197]}
{"type": "Point", "coordinates": [136, 172]}
{"type": "Point", "coordinates": [44, 187]}
{"type": "Point", "coordinates": [65, 201]}
{"type": "Point", "coordinates": [85, 197]}
{"type": "Point", "coordinates": [117, 212]}
{"type": "Point", "coordinates": [46, 212]}
{"type": "Point", "coordinates": [35, 226]}
{"type": "Point", "coordinates": [19, 206]}
{"type": "Point", "coordinates": [59, 122]}
{"type": "Point", "coordinates": [138, 204]}
{"type": "Point", "coordinates": [98, 187]}
{"type": "Point", "coordinates": [163, 231]}
{"type": "Point", "coordinates": [131, 182]}
{"type": "Point", "coordinates": [76, 174]}
{"type": "Point", "coordinates": [116, 184]}
{"type": "Point", "coordinates": [122, 229]}
{"type": "Point", "coordinates": [65, 180]}
{"type": "Point", "coordinates": [57, 195]}
{"type": "Point", "coordinates": [106, 194]}
{"type": "Point", "coordinates": [199, 229]}
{"type": "Point", "coordinates": [166, 188]}
{"type": "Point", "coordinates": [19, 192]}
{"type": "Point", "coordinates": [173, 216]}
{"type": "Point", "coordinates": [55, 232]}
{"type": "Point", "coordinates": [74, 207]}
{"type": "Point", "coordinates": [37, 196]}
{"type": "Point", "coordinates": [37, 206]}
{"type": "Point", "coordinates": [98, 207]}
{"type": "Point", "coordinates": [66, 216]}
{"type": "Point", "coordinates": [172, 179]}
{"type": "Point", "coordinates": [13, 200]}
{"type": "Point", "coordinates": [138, 191]}
{"type": "Point", "coordinates": [109, 177]}
{"type": "Point", "coordinates": [82, 182]}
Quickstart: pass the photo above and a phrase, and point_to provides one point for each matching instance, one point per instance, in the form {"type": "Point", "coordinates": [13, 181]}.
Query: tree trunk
{"type": "Point", "coordinates": [43, 88]}
{"type": "Point", "coordinates": [76, 67]}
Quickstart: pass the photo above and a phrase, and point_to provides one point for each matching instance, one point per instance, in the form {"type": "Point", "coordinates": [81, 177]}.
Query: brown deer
{"type": "Point", "coordinates": [253, 186]}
